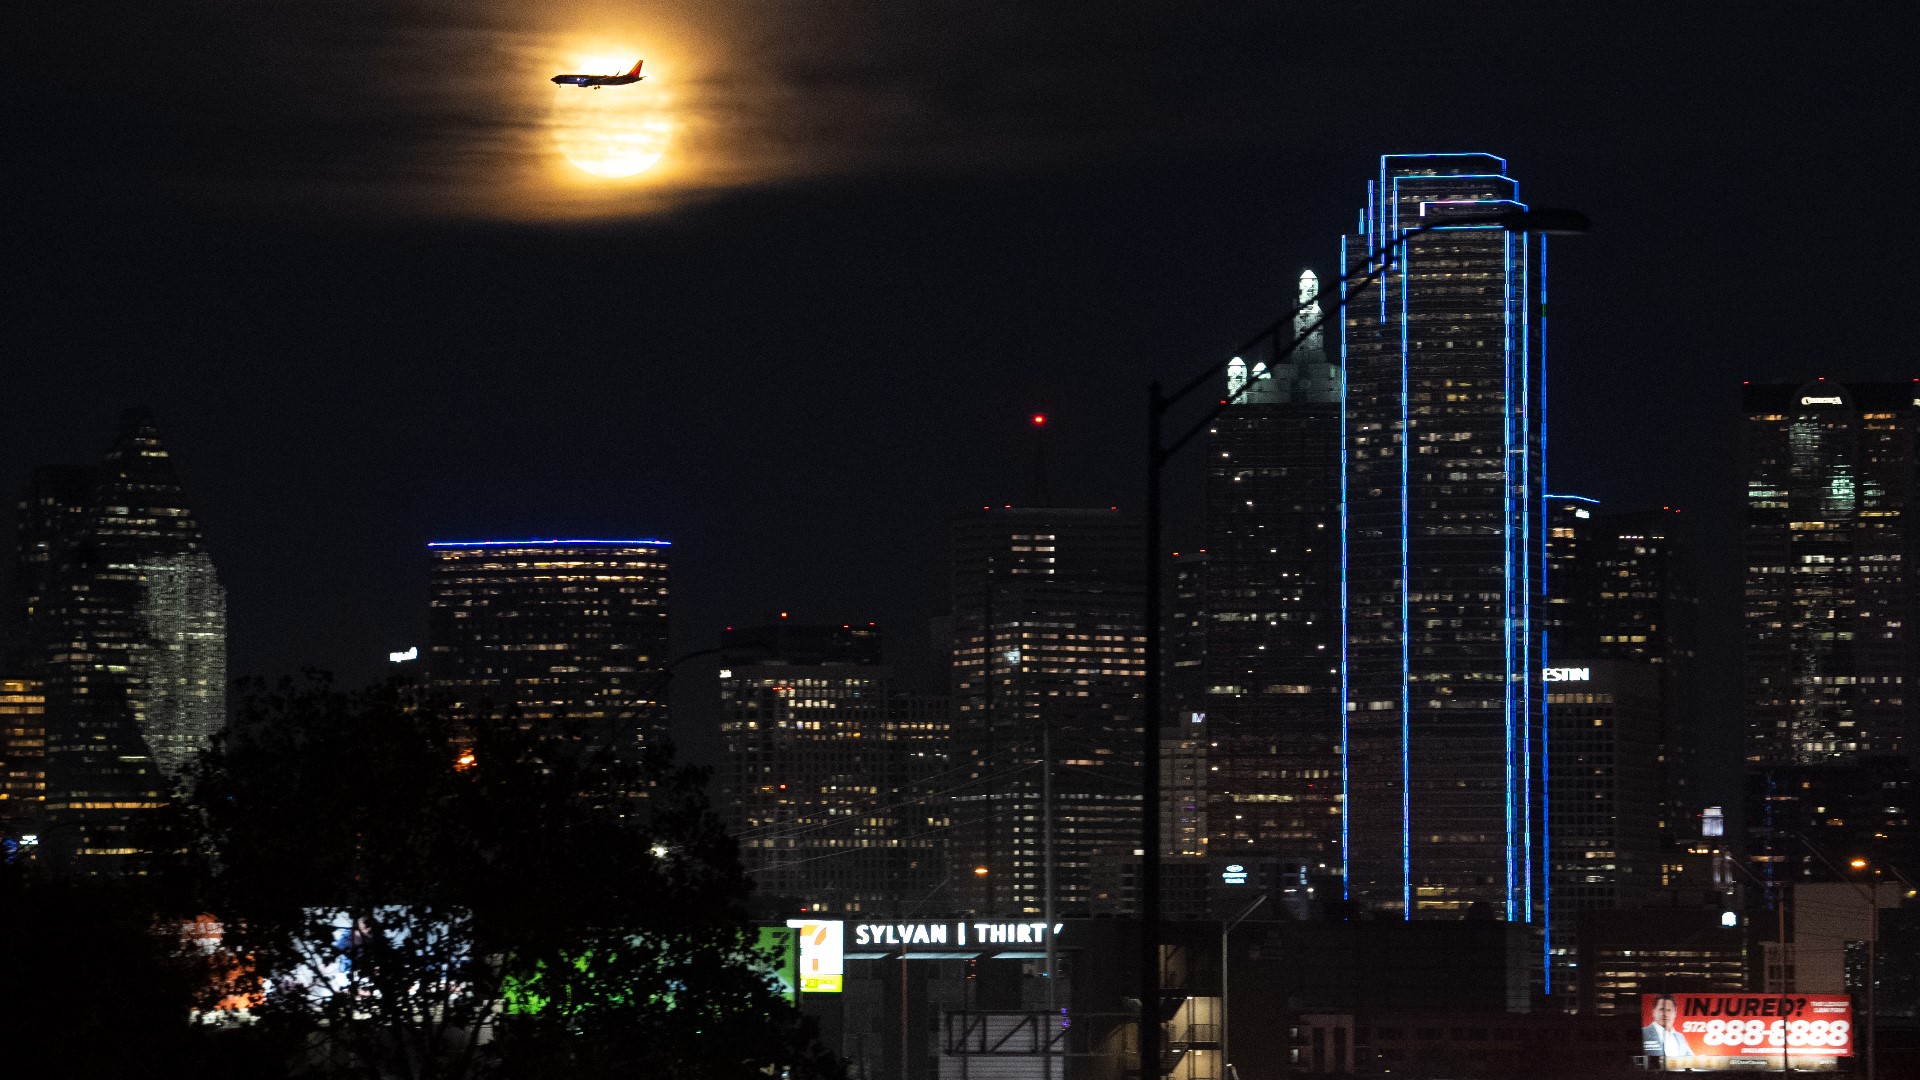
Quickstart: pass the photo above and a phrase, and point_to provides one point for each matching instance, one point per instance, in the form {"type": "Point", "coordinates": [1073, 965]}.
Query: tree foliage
{"type": "Point", "coordinates": [419, 899]}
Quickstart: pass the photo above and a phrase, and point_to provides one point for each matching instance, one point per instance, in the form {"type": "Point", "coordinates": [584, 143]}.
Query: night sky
{"type": "Point", "coordinates": [334, 248]}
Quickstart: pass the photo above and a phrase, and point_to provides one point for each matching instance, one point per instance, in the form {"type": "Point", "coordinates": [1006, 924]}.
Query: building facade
{"type": "Point", "coordinates": [23, 760]}
{"type": "Point", "coordinates": [1648, 612]}
{"type": "Point", "coordinates": [1603, 720]}
{"type": "Point", "coordinates": [122, 617]}
{"type": "Point", "coordinates": [1618, 590]}
{"type": "Point", "coordinates": [1830, 593]}
{"type": "Point", "coordinates": [1444, 536]}
{"type": "Point", "coordinates": [1830, 660]}
{"type": "Point", "coordinates": [825, 777]}
{"type": "Point", "coordinates": [566, 637]}
{"type": "Point", "coordinates": [1272, 616]}
{"type": "Point", "coordinates": [1049, 652]}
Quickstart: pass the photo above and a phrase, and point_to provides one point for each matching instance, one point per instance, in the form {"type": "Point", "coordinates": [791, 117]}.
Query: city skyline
{"type": "Point", "coordinates": [342, 386]}
{"type": "Point", "coordinates": [587, 578]}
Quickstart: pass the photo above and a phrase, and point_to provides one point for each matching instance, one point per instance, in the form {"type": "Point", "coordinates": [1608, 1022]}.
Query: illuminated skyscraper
{"type": "Point", "coordinates": [23, 759]}
{"type": "Point", "coordinates": [1606, 782]}
{"type": "Point", "coordinates": [1048, 642]}
{"type": "Point", "coordinates": [1617, 590]}
{"type": "Point", "coordinates": [123, 618]}
{"type": "Point", "coordinates": [568, 637]}
{"type": "Point", "coordinates": [1830, 660]}
{"type": "Point", "coordinates": [826, 765]}
{"type": "Point", "coordinates": [1574, 544]}
{"type": "Point", "coordinates": [1272, 619]}
{"type": "Point", "coordinates": [1648, 611]}
{"type": "Point", "coordinates": [1444, 552]}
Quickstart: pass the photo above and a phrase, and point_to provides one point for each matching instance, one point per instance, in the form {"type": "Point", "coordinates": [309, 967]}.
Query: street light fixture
{"type": "Point", "coordinates": [1871, 894]}
{"type": "Point", "coordinates": [1226, 1058]}
{"type": "Point", "coordinates": [1547, 221]}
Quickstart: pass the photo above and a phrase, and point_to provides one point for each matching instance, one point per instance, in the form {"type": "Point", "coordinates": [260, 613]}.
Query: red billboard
{"type": "Point", "coordinates": [1693, 1030]}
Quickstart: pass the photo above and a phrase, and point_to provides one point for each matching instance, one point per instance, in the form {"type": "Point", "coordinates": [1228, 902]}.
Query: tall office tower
{"type": "Point", "coordinates": [825, 772]}
{"type": "Point", "coordinates": [1272, 656]}
{"type": "Point", "coordinates": [1606, 782]}
{"type": "Point", "coordinates": [1830, 658]}
{"type": "Point", "coordinates": [1570, 619]}
{"type": "Point", "coordinates": [124, 619]}
{"type": "Point", "coordinates": [23, 761]}
{"type": "Point", "coordinates": [1647, 610]}
{"type": "Point", "coordinates": [567, 637]}
{"type": "Point", "coordinates": [1444, 468]}
{"type": "Point", "coordinates": [1049, 648]}
{"type": "Point", "coordinates": [1617, 590]}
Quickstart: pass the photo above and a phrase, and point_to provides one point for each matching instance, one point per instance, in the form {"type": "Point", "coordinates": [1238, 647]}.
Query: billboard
{"type": "Point", "coordinates": [823, 957]}
{"type": "Point", "coordinates": [1722, 1031]}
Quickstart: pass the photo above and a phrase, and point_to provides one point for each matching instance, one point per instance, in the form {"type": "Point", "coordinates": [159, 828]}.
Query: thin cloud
{"type": "Point", "coordinates": [426, 108]}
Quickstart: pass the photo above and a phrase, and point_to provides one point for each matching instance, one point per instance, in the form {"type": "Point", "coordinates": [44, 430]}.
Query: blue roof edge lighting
{"type": "Point", "coordinates": [547, 543]}
{"type": "Point", "coordinates": [1384, 158]}
{"type": "Point", "coordinates": [1576, 498]}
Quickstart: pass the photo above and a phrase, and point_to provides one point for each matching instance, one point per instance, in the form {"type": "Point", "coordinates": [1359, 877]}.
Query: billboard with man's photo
{"type": "Point", "coordinates": [1719, 1031]}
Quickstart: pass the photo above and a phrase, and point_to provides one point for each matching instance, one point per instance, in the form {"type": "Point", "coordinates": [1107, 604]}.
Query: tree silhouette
{"type": "Point", "coordinates": [416, 898]}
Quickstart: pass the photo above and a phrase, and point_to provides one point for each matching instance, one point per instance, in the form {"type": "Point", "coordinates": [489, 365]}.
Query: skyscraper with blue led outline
{"type": "Point", "coordinates": [1443, 560]}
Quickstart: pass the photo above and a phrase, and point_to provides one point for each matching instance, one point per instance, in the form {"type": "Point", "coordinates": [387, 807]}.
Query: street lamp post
{"type": "Point", "coordinates": [1226, 1058]}
{"type": "Point", "coordinates": [1159, 452]}
{"type": "Point", "coordinates": [1871, 894]}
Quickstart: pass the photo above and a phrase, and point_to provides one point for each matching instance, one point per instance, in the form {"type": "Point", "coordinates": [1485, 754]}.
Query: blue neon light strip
{"type": "Point", "coordinates": [1346, 743]}
{"type": "Point", "coordinates": [1546, 753]}
{"type": "Point", "coordinates": [546, 543]}
{"type": "Point", "coordinates": [1460, 153]}
{"type": "Point", "coordinates": [1506, 511]}
{"type": "Point", "coordinates": [1543, 436]}
{"type": "Point", "coordinates": [1526, 582]}
{"type": "Point", "coordinates": [1406, 582]}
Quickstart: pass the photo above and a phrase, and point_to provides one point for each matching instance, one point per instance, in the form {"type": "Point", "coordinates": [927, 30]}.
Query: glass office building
{"type": "Point", "coordinates": [826, 774]}
{"type": "Point", "coordinates": [1271, 693]}
{"type": "Point", "coordinates": [121, 616]}
{"type": "Point", "coordinates": [1048, 645]}
{"type": "Point", "coordinates": [1443, 560]}
{"type": "Point", "coordinates": [1830, 591]}
{"type": "Point", "coordinates": [568, 637]}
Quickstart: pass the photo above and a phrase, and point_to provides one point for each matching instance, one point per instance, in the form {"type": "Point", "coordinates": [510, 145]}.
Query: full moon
{"type": "Point", "coordinates": [614, 131]}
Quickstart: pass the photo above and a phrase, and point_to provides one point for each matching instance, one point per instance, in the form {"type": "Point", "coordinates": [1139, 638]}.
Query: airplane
{"type": "Point", "coordinates": [595, 82]}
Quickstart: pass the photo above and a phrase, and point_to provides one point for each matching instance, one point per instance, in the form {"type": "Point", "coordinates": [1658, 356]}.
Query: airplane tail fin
{"type": "Point", "coordinates": [636, 67]}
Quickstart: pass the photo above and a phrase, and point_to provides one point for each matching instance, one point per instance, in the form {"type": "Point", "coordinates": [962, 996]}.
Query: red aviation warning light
{"type": "Point", "coordinates": [1039, 419]}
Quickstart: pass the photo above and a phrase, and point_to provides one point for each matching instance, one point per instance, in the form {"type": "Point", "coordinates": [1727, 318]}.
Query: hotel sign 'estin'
{"type": "Point", "coordinates": [953, 933]}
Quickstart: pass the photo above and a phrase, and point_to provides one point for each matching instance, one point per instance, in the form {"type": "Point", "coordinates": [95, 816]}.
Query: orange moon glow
{"type": "Point", "coordinates": [614, 131]}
